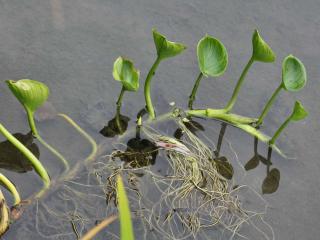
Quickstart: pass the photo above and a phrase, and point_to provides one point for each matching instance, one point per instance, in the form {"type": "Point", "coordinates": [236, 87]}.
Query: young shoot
{"type": "Point", "coordinates": [124, 72]}
{"type": "Point", "coordinates": [165, 49]}
{"type": "Point", "coordinates": [261, 52]}
{"type": "Point", "coordinates": [212, 59]}
{"type": "Point", "coordinates": [297, 114]}
{"type": "Point", "coordinates": [126, 229]}
{"type": "Point", "coordinates": [32, 94]}
{"type": "Point", "coordinates": [294, 78]}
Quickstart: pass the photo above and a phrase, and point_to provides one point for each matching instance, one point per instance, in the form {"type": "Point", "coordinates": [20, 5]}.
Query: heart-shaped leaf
{"type": "Point", "coordinates": [212, 56]}
{"type": "Point", "coordinates": [271, 182]}
{"type": "Point", "coordinates": [165, 48]}
{"type": "Point", "coordinates": [30, 93]}
{"type": "Point", "coordinates": [298, 112]}
{"type": "Point", "coordinates": [124, 71]}
{"type": "Point", "coordinates": [261, 50]}
{"type": "Point", "coordinates": [294, 76]}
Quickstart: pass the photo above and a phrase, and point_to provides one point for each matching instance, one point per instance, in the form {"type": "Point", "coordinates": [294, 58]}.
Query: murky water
{"type": "Point", "coordinates": [71, 46]}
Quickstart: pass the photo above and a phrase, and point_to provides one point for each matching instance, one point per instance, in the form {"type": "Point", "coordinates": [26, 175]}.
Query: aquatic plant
{"type": "Point", "coordinates": [298, 113]}
{"type": "Point", "coordinates": [294, 78]}
{"type": "Point", "coordinates": [261, 52]}
{"type": "Point", "coordinates": [212, 59]}
{"type": "Point", "coordinates": [32, 94]}
{"type": "Point", "coordinates": [124, 72]}
{"type": "Point", "coordinates": [11, 188]}
{"type": "Point", "coordinates": [37, 165]}
{"type": "Point", "coordinates": [165, 49]}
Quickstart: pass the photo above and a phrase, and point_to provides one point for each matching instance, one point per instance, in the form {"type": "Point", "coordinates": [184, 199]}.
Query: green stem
{"type": "Point", "coordinates": [10, 186]}
{"type": "Point", "coordinates": [29, 155]}
{"type": "Point", "coordinates": [194, 91]}
{"type": "Point", "coordinates": [84, 134]}
{"type": "Point", "coordinates": [119, 103]}
{"type": "Point", "coordinates": [54, 151]}
{"type": "Point", "coordinates": [32, 123]}
{"type": "Point", "coordinates": [222, 115]}
{"type": "Point", "coordinates": [268, 105]}
{"type": "Point", "coordinates": [147, 88]}
{"type": "Point", "coordinates": [42, 141]}
{"type": "Point", "coordinates": [236, 90]}
{"type": "Point", "coordinates": [280, 129]}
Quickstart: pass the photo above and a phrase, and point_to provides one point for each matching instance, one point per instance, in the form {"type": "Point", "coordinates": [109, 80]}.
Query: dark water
{"type": "Point", "coordinates": [71, 46]}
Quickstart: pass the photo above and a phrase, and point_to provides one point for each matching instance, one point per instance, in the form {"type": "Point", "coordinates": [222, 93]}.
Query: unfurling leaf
{"type": "Point", "coordinates": [294, 76]}
{"type": "Point", "coordinates": [261, 50]}
{"type": "Point", "coordinates": [124, 71]}
{"type": "Point", "coordinates": [165, 48]}
{"type": "Point", "coordinates": [212, 56]}
{"type": "Point", "coordinates": [30, 93]}
{"type": "Point", "coordinates": [298, 112]}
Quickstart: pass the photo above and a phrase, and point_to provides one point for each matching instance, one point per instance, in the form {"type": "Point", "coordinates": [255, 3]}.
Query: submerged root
{"type": "Point", "coordinates": [188, 200]}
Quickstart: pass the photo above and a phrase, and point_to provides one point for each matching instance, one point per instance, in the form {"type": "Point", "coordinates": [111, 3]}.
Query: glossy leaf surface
{"type": "Point", "coordinates": [125, 72]}
{"type": "Point", "coordinates": [212, 56]}
{"type": "Point", "coordinates": [165, 48]}
{"type": "Point", "coordinates": [261, 50]}
{"type": "Point", "coordinates": [294, 76]}
{"type": "Point", "coordinates": [30, 93]}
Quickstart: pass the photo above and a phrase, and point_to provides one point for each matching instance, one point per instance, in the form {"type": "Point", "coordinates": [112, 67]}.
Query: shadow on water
{"type": "Point", "coordinates": [12, 159]}
{"type": "Point", "coordinates": [139, 152]}
{"type": "Point", "coordinates": [271, 182]}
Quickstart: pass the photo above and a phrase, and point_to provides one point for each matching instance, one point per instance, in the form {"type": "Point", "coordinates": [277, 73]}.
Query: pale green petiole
{"type": "Point", "coordinates": [268, 105]}
{"type": "Point", "coordinates": [43, 142]}
{"type": "Point", "coordinates": [280, 129]}
{"type": "Point", "coordinates": [10, 186]}
{"type": "Point", "coordinates": [236, 90]}
{"type": "Point", "coordinates": [29, 155]}
{"type": "Point", "coordinates": [222, 115]}
{"type": "Point", "coordinates": [147, 88]}
{"type": "Point", "coordinates": [119, 103]}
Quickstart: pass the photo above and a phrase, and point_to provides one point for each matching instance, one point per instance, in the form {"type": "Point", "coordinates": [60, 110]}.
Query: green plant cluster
{"type": "Point", "coordinates": [213, 61]}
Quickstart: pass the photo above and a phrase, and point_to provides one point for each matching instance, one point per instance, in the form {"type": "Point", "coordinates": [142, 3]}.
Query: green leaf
{"type": "Point", "coordinates": [165, 48]}
{"type": "Point", "coordinates": [212, 56]}
{"type": "Point", "coordinates": [124, 212]}
{"type": "Point", "coordinates": [294, 76]}
{"type": "Point", "coordinates": [261, 50]}
{"type": "Point", "coordinates": [30, 93]}
{"type": "Point", "coordinates": [298, 112]}
{"type": "Point", "coordinates": [124, 71]}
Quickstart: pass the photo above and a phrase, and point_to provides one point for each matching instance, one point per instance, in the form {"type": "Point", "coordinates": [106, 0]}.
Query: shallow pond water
{"type": "Point", "coordinates": [71, 47]}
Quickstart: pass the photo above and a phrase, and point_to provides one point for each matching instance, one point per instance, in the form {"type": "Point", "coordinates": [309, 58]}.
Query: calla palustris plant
{"type": "Point", "coordinates": [212, 60]}
{"type": "Point", "coordinates": [298, 113]}
{"type": "Point", "coordinates": [261, 52]}
{"type": "Point", "coordinates": [165, 49]}
{"type": "Point", "coordinates": [32, 94]}
{"type": "Point", "coordinates": [294, 78]}
{"type": "Point", "coordinates": [125, 72]}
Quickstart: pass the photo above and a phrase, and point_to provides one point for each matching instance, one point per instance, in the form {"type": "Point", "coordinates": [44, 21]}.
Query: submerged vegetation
{"type": "Point", "coordinates": [195, 191]}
